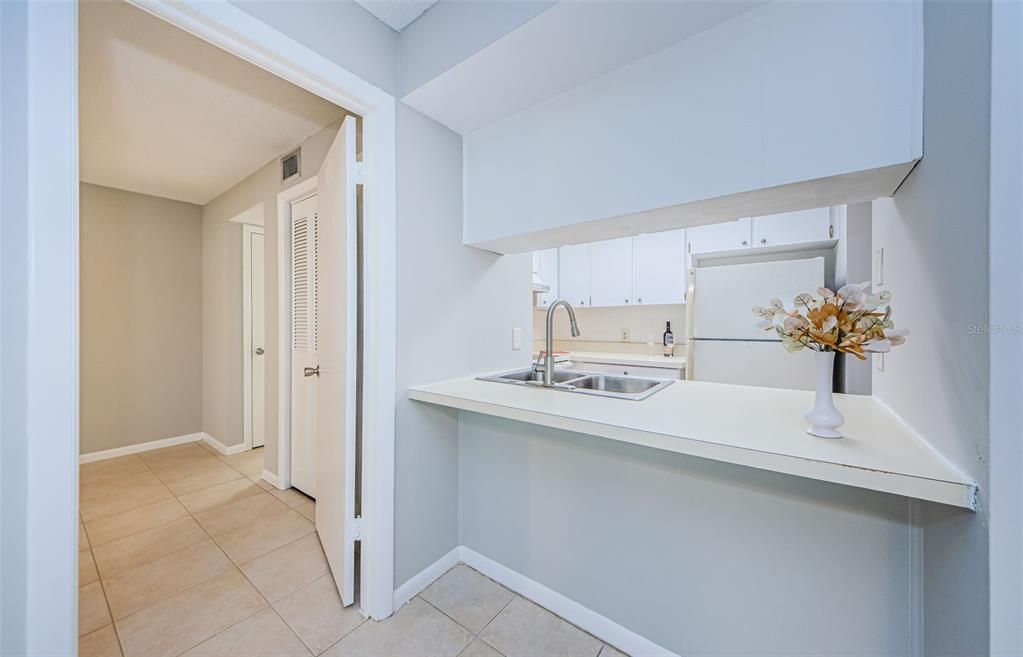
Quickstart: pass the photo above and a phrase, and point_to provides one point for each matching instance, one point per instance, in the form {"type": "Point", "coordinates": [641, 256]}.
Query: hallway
{"type": "Point", "coordinates": [188, 552]}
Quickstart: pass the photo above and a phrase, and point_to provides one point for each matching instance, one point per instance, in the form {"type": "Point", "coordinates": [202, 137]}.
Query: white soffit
{"type": "Point", "coordinates": [397, 13]}
{"type": "Point", "coordinates": [167, 114]}
{"type": "Point", "coordinates": [561, 48]}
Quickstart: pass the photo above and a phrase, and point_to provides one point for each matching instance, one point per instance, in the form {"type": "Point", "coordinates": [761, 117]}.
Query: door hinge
{"type": "Point", "coordinates": [360, 173]}
{"type": "Point", "coordinates": [357, 528]}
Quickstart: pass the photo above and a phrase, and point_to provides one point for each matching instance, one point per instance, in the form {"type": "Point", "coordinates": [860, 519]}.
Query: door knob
{"type": "Point", "coordinates": [311, 371]}
{"type": "Point", "coordinates": [259, 351]}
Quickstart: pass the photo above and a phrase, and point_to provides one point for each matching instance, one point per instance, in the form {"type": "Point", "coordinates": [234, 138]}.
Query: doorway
{"type": "Point", "coordinates": [254, 336]}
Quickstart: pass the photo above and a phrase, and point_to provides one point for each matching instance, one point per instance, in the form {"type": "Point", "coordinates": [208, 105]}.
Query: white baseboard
{"type": "Point", "coordinates": [585, 618]}
{"type": "Point", "coordinates": [272, 478]}
{"type": "Point", "coordinates": [140, 447]}
{"type": "Point", "coordinates": [429, 575]}
{"type": "Point", "coordinates": [221, 447]}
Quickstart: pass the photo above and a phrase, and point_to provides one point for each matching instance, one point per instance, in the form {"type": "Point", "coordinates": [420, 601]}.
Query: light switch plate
{"type": "Point", "coordinates": [625, 335]}
{"type": "Point", "coordinates": [516, 338]}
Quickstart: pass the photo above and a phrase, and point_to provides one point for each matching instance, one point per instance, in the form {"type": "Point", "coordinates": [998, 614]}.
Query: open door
{"type": "Point", "coordinates": [337, 352]}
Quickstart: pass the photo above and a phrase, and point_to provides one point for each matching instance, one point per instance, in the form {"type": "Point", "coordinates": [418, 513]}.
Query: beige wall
{"type": "Point", "coordinates": [222, 295]}
{"type": "Point", "coordinates": [141, 318]}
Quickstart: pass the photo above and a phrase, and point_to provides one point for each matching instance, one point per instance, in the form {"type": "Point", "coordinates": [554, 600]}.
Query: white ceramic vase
{"type": "Point", "coordinates": [823, 417]}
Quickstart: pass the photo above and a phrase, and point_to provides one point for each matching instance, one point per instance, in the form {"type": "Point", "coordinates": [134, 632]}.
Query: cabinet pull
{"type": "Point", "coordinates": [763, 240]}
{"type": "Point", "coordinates": [745, 243]}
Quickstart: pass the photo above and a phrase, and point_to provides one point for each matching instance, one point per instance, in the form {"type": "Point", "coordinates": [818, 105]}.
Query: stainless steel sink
{"type": "Point", "coordinates": [633, 388]}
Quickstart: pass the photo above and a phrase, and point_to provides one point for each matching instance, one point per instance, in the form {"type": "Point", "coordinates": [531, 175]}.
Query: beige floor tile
{"type": "Point", "coordinates": [467, 596]}
{"type": "Point", "coordinates": [524, 629]}
{"type": "Point", "coordinates": [291, 496]}
{"type": "Point", "coordinates": [86, 568]}
{"type": "Point", "coordinates": [187, 619]}
{"type": "Point", "coordinates": [609, 651]}
{"type": "Point", "coordinates": [118, 495]}
{"type": "Point", "coordinates": [228, 517]}
{"type": "Point", "coordinates": [92, 609]}
{"type": "Point", "coordinates": [214, 496]}
{"type": "Point", "coordinates": [316, 615]}
{"type": "Point", "coordinates": [176, 453]}
{"type": "Point", "coordinates": [134, 521]}
{"type": "Point", "coordinates": [479, 648]}
{"type": "Point", "coordinates": [83, 538]}
{"type": "Point", "coordinates": [203, 479]}
{"type": "Point", "coordinates": [415, 629]}
{"type": "Point", "coordinates": [262, 634]}
{"type": "Point", "coordinates": [116, 486]}
{"type": "Point", "coordinates": [145, 585]}
{"type": "Point", "coordinates": [209, 448]}
{"type": "Point", "coordinates": [97, 471]}
{"type": "Point", "coordinates": [249, 463]}
{"type": "Point", "coordinates": [264, 535]}
{"type": "Point", "coordinates": [101, 643]}
{"type": "Point", "coordinates": [137, 549]}
{"type": "Point", "coordinates": [178, 468]}
{"type": "Point", "coordinates": [308, 509]}
{"type": "Point", "coordinates": [265, 485]}
{"type": "Point", "coordinates": [288, 568]}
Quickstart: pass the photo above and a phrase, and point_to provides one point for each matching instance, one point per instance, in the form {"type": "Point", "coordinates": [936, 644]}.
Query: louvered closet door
{"type": "Point", "coordinates": [304, 339]}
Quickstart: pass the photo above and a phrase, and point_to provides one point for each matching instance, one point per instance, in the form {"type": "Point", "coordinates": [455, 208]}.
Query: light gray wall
{"type": "Point", "coordinates": [456, 309]}
{"type": "Point", "coordinates": [700, 557]}
{"type": "Point", "coordinates": [140, 323]}
{"type": "Point", "coordinates": [343, 32]}
{"type": "Point", "coordinates": [935, 238]}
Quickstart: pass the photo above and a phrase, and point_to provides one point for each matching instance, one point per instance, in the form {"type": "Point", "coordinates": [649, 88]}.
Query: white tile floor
{"type": "Point", "coordinates": [187, 552]}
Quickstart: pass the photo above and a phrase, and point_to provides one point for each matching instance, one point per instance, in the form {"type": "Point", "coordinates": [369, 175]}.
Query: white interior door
{"type": "Point", "coordinates": [258, 322]}
{"type": "Point", "coordinates": [337, 352]}
{"type": "Point", "coordinates": [304, 339]}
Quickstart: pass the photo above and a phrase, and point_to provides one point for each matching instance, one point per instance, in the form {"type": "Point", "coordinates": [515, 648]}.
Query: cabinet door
{"type": "Point", "coordinates": [574, 274]}
{"type": "Point", "coordinates": [792, 227]}
{"type": "Point", "coordinates": [660, 267]}
{"type": "Point", "coordinates": [611, 272]}
{"type": "Point", "coordinates": [545, 264]}
{"type": "Point", "coordinates": [728, 236]}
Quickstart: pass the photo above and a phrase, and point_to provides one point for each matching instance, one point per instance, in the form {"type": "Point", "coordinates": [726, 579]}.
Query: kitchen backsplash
{"type": "Point", "coordinates": [605, 325]}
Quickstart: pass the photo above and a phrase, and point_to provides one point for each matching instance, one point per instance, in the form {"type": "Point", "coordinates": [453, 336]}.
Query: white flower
{"type": "Point", "coordinates": [760, 312]}
{"type": "Point", "coordinates": [896, 336]}
{"type": "Point", "coordinates": [765, 324]}
{"type": "Point", "coordinates": [830, 323]}
{"type": "Point", "coordinates": [852, 293]}
{"type": "Point", "coordinates": [776, 303]}
{"type": "Point", "coordinates": [803, 299]}
{"type": "Point", "coordinates": [793, 323]}
{"type": "Point", "coordinates": [825, 292]}
{"type": "Point", "coordinates": [878, 346]}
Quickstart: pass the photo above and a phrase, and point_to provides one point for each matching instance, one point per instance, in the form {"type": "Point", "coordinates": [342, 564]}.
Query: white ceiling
{"type": "Point", "coordinates": [397, 13]}
{"type": "Point", "coordinates": [567, 45]}
{"type": "Point", "coordinates": [167, 114]}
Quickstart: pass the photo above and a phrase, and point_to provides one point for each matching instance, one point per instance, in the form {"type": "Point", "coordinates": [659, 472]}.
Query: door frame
{"type": "Point", "coordinates": [285, 199]}
{"type": "Point", "coordinates": [248, 230]}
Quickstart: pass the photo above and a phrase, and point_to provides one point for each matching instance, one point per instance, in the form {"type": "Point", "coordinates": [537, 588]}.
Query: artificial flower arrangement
{"type": "Point", "coordinates": [851, 320]}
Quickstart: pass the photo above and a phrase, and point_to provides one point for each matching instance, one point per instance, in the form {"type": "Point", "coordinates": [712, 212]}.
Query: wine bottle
{"type": "Point", "coordinates": [668, 341]}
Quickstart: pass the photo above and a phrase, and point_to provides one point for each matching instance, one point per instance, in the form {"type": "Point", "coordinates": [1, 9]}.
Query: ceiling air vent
{"type": "Point", "coordinates": [291, 165]}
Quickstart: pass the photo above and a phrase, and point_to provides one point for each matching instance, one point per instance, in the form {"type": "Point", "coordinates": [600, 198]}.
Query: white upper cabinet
{"type": "Point", "coordinates": [574, 274]}
{"type": "Point", "coordinates": [719, 237]}
{"type": "Point", "coordinates": [611, 272]}
{"type": "Point", "coordinates": [792, 227]}
{"type": "Point", "coordinates": [659, 266]}
{"type": "Point", "coordinates": [545, 266]}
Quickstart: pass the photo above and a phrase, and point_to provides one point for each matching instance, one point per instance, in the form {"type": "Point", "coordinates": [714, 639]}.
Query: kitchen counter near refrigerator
{"type": "Point", "coordinates": [751, 426]}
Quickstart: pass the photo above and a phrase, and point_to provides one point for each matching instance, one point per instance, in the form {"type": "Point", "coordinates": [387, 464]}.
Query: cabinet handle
{"type": "Point", "coordinates": [745, 243]}
{"type": "Point", "coordinates": [763, 240]}
{"type": "Point", "coordinates": [639, 300]}
{"type": "Point", "coordinates": [626, 301]}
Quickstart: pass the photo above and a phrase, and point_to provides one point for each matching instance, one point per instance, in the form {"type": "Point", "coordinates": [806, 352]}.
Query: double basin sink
{"type": "Point", "coordinates": [633, 388]}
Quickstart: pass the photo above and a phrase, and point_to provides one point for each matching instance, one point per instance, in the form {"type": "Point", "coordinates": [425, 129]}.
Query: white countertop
{"type": "Point", "coordinates": [756, 427]}
{"type": "Point", "coordinates": [636, 360]}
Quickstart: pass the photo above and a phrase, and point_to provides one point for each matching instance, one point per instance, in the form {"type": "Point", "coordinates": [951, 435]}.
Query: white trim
{"type": "Point", "coordinates": [916, 578]}
{"type": "Point", "coordinates": [583, 617]}
{"type": "Point", "coordinates": [254, 216]}
{"type": "Point", "coordinates": [417, 583]}
{"type": "Point", "coordinates": [285, 199]}
{"type": "Point", "coordinates": [272, 479]}
{"type": "Point", "coordinates": [248, 231]}
{"type": "Point", "coordinates": [142, 447]}
{"type": "Point", "coordinates": [221, 447]}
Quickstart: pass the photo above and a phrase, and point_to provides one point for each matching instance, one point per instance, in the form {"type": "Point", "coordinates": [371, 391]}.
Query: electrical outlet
{"type": "Point", "coordinates": [516, 338]}
{"type": "Point", "coordinates": [625, 335]}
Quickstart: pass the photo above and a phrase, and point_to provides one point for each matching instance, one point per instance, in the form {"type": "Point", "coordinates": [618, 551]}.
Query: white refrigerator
{"type": "Point", "coordinates": [724, 345]}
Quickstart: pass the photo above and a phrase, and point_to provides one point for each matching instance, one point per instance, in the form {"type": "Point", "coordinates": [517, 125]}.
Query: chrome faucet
{"type": "Point", "coordinates": [548, 354]}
